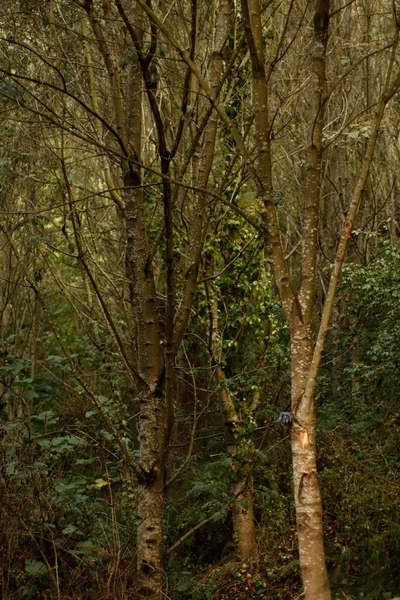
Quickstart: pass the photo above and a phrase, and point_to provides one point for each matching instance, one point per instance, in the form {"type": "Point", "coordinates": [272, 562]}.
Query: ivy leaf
{"type": "Point", "coordinates": [35, 568]}
{"type": "Point", "coordinates": [69, 529]}
{"type": "Point", "coordinates": [130, 56]}
{"type": "Point", "coordinates": [100, 483]}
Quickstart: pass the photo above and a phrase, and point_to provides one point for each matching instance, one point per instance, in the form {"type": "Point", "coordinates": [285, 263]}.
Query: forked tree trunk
{"type": "Point", "coordinates": [298, 307]}
{"type": "Point", "coordinates": [306, 489]}
{"type": "Point", "coordinates": [156, 358]}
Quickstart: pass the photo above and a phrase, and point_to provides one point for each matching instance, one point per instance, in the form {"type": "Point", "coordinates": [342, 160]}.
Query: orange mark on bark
{"type": "Point", "coordinates": [348, 227]}
{"type": "Point", "coordinates": [304, 439]}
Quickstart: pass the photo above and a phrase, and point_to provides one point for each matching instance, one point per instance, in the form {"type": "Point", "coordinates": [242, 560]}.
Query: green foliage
{"type": "Point", "coordinates": [130, 56]}
{"type": "Point", "coordinates": [35, 569]}
{"type": "Point", "coordinates": [60, 478]}
{"type": "Point", "coordinates": [359, 458]}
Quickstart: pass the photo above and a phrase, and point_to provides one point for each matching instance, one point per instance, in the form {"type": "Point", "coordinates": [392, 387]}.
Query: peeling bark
{"type": "Point", "coordinates": [306, 489]}
{"type": "Point", "coordinates": [298, 308]}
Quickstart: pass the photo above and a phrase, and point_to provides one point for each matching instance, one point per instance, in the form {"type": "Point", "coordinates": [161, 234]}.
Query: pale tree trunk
{"type": "Point", "coordinates": [150, 504]}
{"type": "Point", "coordinates": [152, 401]}
{"type": "Point", "coordinates": [305, 365]}
{"type": "Point", "coordinates": [308, 503]}
{"type": "Point", "coordinates": [298, 307]}
{"type": "Point", "coordinates": [306, 489]}
{"type": "Point", "coordinates": [242, 490]}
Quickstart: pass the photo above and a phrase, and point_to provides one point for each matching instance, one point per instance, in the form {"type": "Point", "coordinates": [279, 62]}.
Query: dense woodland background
{"type": "Point", "coordinates": [136, 248]}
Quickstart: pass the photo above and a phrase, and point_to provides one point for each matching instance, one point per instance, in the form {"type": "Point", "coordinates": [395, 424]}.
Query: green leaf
{"type": "Point", "coordinates": [85, 547]}
{"type": "Point", "coordinates": [55, 360]}
{"type": "Point", "coordinates": [130, 56]}
{"type": "Point", "coordinates": [35, 568]}
{"type": "Point", "coordinates": [69, 529]}
{"type": "Point", "coordinates": [90, 413]}
{"type": "Point", "coordinates": [291, 566]}
{"type": "Point", "coordinates": [100, 483]}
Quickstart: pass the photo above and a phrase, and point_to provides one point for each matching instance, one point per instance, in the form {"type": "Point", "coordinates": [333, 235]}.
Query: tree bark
{"type": "Point", "coordinates": [244, 527]}
{"type": "Point", "coordinates": [150, 506]}
{"type": "Point", "coordinates": [152, 401]}
{"type": "Point", "coordinates": [298, 307]}
{"type": "Point", "coordinates": [304, 457]}
{"type": "Point", "coordinates": [306, 489]}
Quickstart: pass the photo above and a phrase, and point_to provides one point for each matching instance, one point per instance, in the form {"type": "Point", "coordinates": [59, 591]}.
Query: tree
{"type": "Point", "coordinates": [171, 110]}
{"type": "Point", "coordinates": [106, 110]}
{"type": "Point", "coordinates": [298, 304]}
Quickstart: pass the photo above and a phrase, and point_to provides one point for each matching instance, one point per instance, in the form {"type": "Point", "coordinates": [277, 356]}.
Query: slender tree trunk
{"type": "Point", "coordinates": [306, 489]}
{"type": "Point", "coordinates": [152, 401]}
{"type": "Point", "coordinates": [242, 490]}
{"type": "Point", "coordinates": [243, 518]}
{"type": "Point", "coordinates": [150, 506]}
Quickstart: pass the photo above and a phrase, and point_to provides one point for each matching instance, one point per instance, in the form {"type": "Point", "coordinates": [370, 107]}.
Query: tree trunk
{"type": "Point", "coordinates": [244, 529]}
{"type": "Point", "coordinates": [298, 307]}
{"type": "Point", "coordinates": [150, 539]}
{"type": "Point", "coordinates": [243, 518]}
{"type": "Point", "coordinates": [152, 398]}
{"type": "Point", "coordinates": [306, 489]}
{"type": "Point", "coordinates": [242, 510]}
{"type": "Point", "coordinates": [150, 505]}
